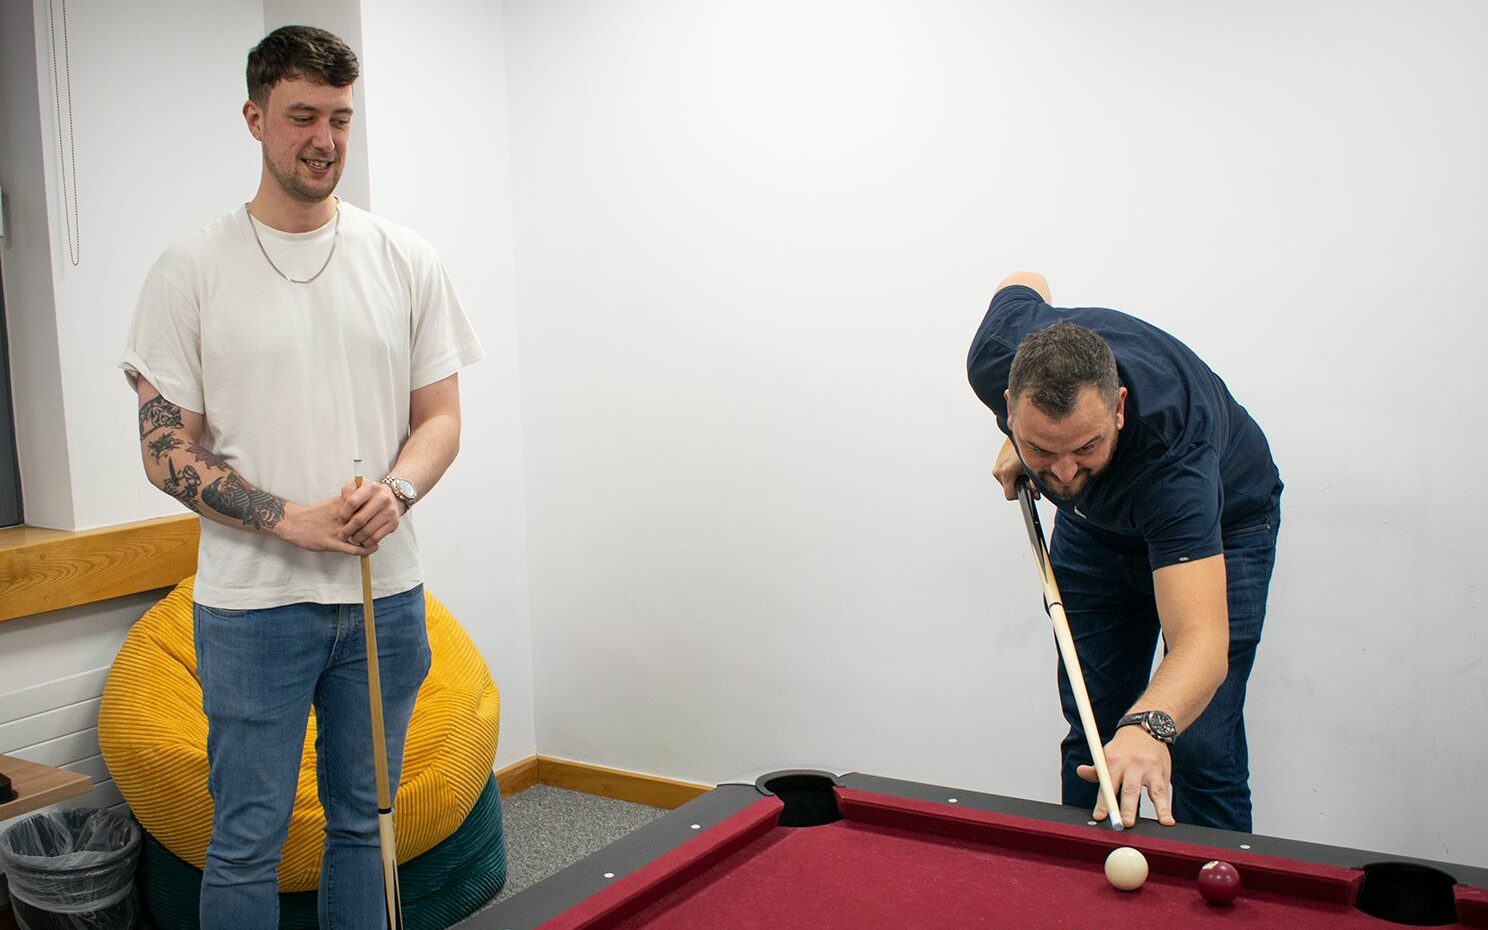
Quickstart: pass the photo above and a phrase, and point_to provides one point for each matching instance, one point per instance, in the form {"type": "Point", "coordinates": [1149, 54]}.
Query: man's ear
{"type": "Point", "coordinates": [1120, 408]}
{"type": "Point", "coordinates": [253, 116]}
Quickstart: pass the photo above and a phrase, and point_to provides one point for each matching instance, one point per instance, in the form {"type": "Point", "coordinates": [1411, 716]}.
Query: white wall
{"type": "Point", "coordinates": [753, 241]}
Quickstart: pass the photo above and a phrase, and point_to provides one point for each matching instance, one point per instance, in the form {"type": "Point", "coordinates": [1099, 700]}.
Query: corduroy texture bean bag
{"type": "Point", "coordinates": [440, 888]}
{"type": "Point", "coordinates": [154, 738]}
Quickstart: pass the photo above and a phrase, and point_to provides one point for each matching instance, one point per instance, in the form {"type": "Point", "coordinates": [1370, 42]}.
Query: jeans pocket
{"type": "Point", "coordinates": [1249, 529]}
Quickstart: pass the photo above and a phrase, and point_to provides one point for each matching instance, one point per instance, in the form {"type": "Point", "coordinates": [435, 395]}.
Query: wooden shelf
{"type": "Point", "coordinates": [38, 786]}
{"type": "Point", "coordinates": [43, 570]}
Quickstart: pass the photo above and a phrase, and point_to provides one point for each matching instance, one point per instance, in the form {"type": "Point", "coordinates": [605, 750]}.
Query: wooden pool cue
{"type": "Point", "coordinates": [1066, 642]}
{"type": "Point", "coordinates": [385, 834]}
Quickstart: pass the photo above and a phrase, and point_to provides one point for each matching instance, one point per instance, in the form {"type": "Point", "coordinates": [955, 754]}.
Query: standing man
{"type": "Point", "coordinates": [1169, 505]}
{"type": "Point", "coordinates": [268, 350]}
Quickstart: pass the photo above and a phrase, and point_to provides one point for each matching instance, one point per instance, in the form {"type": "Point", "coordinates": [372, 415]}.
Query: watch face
{"type": "Point", "coordinates": [403, 488]}
{"type": "Point", "coordinates": [1161, 726]}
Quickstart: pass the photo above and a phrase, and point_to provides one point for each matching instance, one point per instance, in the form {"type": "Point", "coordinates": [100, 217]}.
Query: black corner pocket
{"type": "Point", "coordinates": [808, 797]}
{"type": "Point", "coordinates": [1407, 893]}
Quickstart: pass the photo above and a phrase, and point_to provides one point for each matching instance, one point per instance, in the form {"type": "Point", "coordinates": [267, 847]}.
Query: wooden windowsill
{"type": "Point", "coordinates": [43, 570]}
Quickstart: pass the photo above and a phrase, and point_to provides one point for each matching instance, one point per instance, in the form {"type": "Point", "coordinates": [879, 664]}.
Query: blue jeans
{"type": "Point", "coordinates": [261, 672]}
{"type": "Point", "coordinates": [1106, 586]}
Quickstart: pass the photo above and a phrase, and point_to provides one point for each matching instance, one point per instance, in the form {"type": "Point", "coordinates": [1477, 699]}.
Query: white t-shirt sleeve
{"type": "Point", "coordinates": [164, 345]}
{"type": "Point", "coordinates": [443, 339]}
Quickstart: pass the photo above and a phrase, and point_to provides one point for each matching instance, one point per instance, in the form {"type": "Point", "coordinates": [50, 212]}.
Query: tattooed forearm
{"type": "Point", "coordinates": [231, 496]}
{"type": "Point", "coordinates": [196, 476]}
{"type": "Point", "coordinates": [164, 445]}
{"type": "Point", "coordinates": [156, 413]}
{"type": "Point", "coordinates": [183, 485]}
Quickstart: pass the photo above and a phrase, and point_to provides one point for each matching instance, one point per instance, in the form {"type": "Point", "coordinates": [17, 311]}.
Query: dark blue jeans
{"type": "Point", "coordinates": [1106, 586]}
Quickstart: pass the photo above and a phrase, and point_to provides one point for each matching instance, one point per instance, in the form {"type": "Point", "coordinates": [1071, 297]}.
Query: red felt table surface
{"type": "Point", "coordinates": [893, 863]}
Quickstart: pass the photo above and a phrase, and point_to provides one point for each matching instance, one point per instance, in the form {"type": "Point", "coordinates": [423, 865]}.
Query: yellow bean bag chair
{"type": "Point", "coordinates": [154, 739]}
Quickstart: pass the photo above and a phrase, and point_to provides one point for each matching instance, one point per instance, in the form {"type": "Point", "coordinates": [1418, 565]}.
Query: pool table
{"type": "Point", "coordinates": [807, 849]}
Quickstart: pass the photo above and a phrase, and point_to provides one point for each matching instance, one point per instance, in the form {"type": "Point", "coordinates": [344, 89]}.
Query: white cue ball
{"type": "Point", "coordinates": [1126, 868]}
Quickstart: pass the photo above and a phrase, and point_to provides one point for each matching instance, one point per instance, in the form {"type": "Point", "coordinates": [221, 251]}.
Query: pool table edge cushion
{"type": "Point", "coordinates": [1307, 880]}
{"type": "Point", "coordinates": [1229, 842]}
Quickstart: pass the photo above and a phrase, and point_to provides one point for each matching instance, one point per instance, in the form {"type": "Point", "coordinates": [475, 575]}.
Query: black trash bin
{"type": "Point", "coordinates": [72, 870]}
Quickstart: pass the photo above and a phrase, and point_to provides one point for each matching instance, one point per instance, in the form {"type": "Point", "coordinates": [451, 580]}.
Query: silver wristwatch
{"type": "Point", "coordinates": [403, 490]}
{"type": "Point", "coordinates": [1158, 725]}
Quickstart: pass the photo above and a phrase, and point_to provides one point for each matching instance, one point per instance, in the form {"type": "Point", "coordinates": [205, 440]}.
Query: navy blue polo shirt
{"type": "Point", "coordinates": [1190, 462]}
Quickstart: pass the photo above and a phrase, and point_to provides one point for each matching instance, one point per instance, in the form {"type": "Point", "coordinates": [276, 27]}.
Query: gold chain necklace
{"type": "Point", "coordinates": [335, 235]}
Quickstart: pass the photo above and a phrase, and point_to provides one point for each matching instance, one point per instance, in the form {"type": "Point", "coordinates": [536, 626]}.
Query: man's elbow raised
{"type": "Point", "coordinates": [1028, 279]}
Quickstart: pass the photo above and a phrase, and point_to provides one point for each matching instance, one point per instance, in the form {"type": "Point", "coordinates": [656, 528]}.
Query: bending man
{"type": "Point", "coordinates": [1169, 505]}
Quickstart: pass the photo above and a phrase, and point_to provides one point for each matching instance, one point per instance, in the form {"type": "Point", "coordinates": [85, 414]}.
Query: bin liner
{"type": "Point", "coordinates": [72, 870]}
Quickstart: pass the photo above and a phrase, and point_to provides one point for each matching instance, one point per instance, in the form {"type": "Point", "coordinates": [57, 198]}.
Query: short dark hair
{"type": "Point", "coordinates": [1056, 363]}
{"type": "Point", "coordinates": [299, 52]}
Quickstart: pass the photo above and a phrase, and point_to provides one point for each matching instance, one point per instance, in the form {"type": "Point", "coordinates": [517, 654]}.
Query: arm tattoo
{"type": "Point", "coordinates": [183, 485]}
{"type": "Point", "coordinates": [157, 412]}
{"type": "Point", "coordinates": [231, 496]}
{"type": "Point", "coordinates": [164, 445]}
{"type": "Point", "coordinates": [212, 459]}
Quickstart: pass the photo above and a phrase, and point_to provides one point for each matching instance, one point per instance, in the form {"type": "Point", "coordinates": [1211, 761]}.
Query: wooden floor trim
{"type": "Point", "coordinates": [599, 780]}
{"type": "Point", "coordinates": [519, 776]}
{"type": "Point", "coordinates": [43, 570]}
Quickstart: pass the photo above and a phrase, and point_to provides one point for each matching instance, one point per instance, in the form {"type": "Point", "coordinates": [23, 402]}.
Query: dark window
{"type": "Point", "coordinates": [10, 473]}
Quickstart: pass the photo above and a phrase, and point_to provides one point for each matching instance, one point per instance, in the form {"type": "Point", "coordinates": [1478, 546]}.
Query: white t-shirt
{"type": "Point", "coordinates": [297, 380]}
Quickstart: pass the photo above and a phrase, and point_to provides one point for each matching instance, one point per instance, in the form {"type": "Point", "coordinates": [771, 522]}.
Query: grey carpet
{"type": "Point", "coordinates": [548, 829]}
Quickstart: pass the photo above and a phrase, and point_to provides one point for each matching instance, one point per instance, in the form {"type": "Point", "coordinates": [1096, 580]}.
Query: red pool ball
{"type": "Point", "coordinates": [1219, 882]}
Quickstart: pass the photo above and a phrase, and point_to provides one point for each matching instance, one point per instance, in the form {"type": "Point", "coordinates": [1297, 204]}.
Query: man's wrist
{"type": "Point", "coordinates": [403, 490]}
{"type": "Point", "coordinates": [280, 528]}
{"type": "Point", "coordinates": [1154, 723]}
